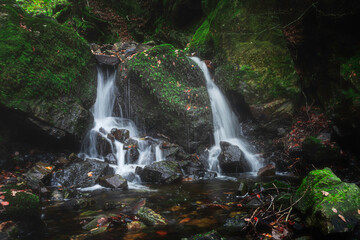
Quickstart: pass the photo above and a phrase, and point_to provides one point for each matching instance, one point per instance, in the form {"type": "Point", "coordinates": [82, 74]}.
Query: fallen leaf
{"type": "Point", "coordinates": [2, 197]}
{"type": "Point", "coordinates": [325, 193]}
{"type": "Point", "coordinates": [358, 211]}
{"type": "Point", "coordinates": [342, 217]}
{"type": "Point", "coordinates": [49, 168]}
{"type": "Point", "coordinates": [90, 174]}
{"type": "Point", "coordinates": [161, 233]}
{"type": "Point", "coordinates": [4, 203]}
{"type": "Point", "coordinates": [185, 220]}
{"type": "Point", "coordinates": [334, 210]}
{"type": "Point", "coordinates": [247, 219]}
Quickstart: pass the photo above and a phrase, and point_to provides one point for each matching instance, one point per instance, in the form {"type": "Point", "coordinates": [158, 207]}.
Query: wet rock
{"type": "Point", "coordinates": [130, 176]}
{"type": "Point", "coordinates": [235, 224]}
{"type": "Point", "coordinates": [81, 174]}
{"type": "Point", "coordinates": [111, 137]}
{"type": "Point", "coordinates": [138, 170]}
{"type": "Point", "coordinates": [80, 203]}
{"type": "Point", "coordinates": [115, 181]}
{"type": "Point", "coordinates": [231, 159]}
{"type": "Point", "coordinates": [56, 195]}
{"type": "Point", "coordinates": [268, 170]}
{"type": "Point", "coordinates": [329, 204]}
{"type": "Point", "coordinates": [161, 172]}
{"type": "Point", "coordinates": [243, 188]}
{"type": "Point", "coordinates": [213, 235]}
{"type": "Point", "coordinates": [131, 143]}
{"type": "Point", "coordinates": [107, 60]}
{"type": "Point", "coordinates": [132, 155]}
{"type": "Point", "coordinates": [111, 159]}
{"type": "Point", "coordinates": [103, 145]}
{"type": "Point", "coordinates": [120, 134]}
{"type": "Point", "coordinates": [204, 174]}
{"type": "Point", "coordinates": [39, 175]}
{"type": "Point", "coordinates": [151, 218]}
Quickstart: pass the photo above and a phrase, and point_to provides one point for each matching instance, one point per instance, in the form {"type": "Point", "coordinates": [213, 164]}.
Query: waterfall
{"type": "Point", "coordinates": [105, 120]}
{"type": "Point", "coordinates": [226, 125]}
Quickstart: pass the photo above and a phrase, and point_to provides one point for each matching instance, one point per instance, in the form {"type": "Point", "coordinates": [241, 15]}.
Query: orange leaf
{"type": "Point", "coordinates": [90, 174]}
{"type": "Point", "coordinates": [342, 217]}
{"type": "Point", "coordinates": [161, 233]}
{"type": "Point", "coordinates": [4, 203]}
{"type": "Point", "coordinates": [49, 167]}
{"type": "Point", "coordinates": [185, 220]}
{"type": "Point", "coordinates": [258, 195]}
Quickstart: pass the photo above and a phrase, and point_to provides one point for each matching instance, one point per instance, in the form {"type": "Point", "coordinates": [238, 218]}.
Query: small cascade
{"type": "Point", "coordinates": [226, 125]}
{"type": "Point", "coordinates": [97, 142]}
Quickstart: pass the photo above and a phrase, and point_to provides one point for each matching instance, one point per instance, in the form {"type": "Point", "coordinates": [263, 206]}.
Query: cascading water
{"type": "Point", "coordinates": [226, 125]}
{"type": "Point", "coordinates": [105, 122]}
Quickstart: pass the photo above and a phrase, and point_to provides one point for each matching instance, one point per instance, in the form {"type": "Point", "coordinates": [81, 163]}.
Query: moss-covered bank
{"type": "Point", "coordinates": [47, 72]}
{"type": "Point", "coordinates": [246, 44]}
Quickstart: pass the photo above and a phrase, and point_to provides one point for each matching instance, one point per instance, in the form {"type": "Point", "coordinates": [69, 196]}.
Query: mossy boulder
{"type": "Point", "coordinates": [245, 41]}
{"type": "Point", "coordinates": [326, 200]}
{"type": "Point", "coordinates": [167, 93]}
{"type": "Point", "coordinates": [47, 77]}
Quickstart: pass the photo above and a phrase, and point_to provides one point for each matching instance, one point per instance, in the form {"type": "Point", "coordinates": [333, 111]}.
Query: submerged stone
{"type": "Point", "coordinates": [151, 218]}
{"type": "Point", "coordinates": [329, 204]}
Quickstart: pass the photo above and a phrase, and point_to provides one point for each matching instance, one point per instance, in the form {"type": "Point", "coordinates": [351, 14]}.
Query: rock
{"type": "Point", "coordinates": [81, 174]}
{"type": "Point", "coordinates": [120, 134]}
{"type": "Point", "coordinates": [161, 172]}
{"type": "Point", "coordinates": [56, 195]}
{"type": "Point", "coordinates": [129, 176]}
{"type": "Point", "coordinates": [326, 200]}
{"type": "Point", "coordinates": [132, 155]}
{"type": "Point", "coordinates": [39, 175]}
{"type": "Point", "coordinates": [267, 171]}
{"type": "Point", "coordinates": [107, 60]}
{"type": "Point", "coordinates": [212, 235]}
{"type": "Point", "coordinates": [130, 51]}
{"type": "Point", "coordinates": [103, 145]}
{"type": "Point", "coordinates": [115, 181]}
{"type": "Point", "coordinates": [58, 114]}
{"type": "Point", "coordinates": [231, 159]}
{"type": "Point", "coordinates": [111, 159]}
{"type": "Point", "coordinates": [243, 188]}
{"type": "Point", "coordinates": [80, 203]}
{"type": "Point", "coordinates": [160, 112]}
{"type": "Point", "coordinates": [151, 218]}
{"type": "Point", "coordinates": [138, 170]}
{"type": "Point", "coordinates": [131, 143]}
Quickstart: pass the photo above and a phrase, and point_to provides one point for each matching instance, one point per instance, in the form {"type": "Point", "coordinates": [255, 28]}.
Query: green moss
{"type": "Point", "coordinates": [321, 192]}
{"type": "Point", "coordinates": [39, 58]}
{"type": "Point", "coordinates": [160, 69]}
{"type": "Point", "coordinates": [248, 49]}
{"type": "Point", "coordinates": [21, 203]}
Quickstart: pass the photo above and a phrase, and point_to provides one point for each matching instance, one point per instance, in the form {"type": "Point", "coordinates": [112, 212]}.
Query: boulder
{"type": "Point", "coordinates": [103, 145]}
{"type": "Point", "coordinates": [60, 59]}
{"type": "Point", "coordinates": [111, 159]}
{"type": "Point", "coordinates": [231, 159]}
{"type": "Point", "coordinates": [180, 108]}
{"type": "Point", "coordinates": [39, 175]}
{"type": "Point", "coordinates": [132, 155]}
{"type": "Point", "coordinates": [81, 174]}
{"type": "Point", "coordinates": [115, 181]}
{"type": "Point", "coordinates": [120, 134]}
{"type": "Point", "coordinates": [161, 172]}
{"type": "Point", "coordinates": [151, 218]}
{"type": "Point", "coordinates": [329, 204]}
{"type": "Point", "coordinates": [267, 171]}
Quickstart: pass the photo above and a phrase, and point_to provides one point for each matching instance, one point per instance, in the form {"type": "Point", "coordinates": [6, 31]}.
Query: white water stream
{"type": "Point", "coordinates": [105, 121]}
{"type": "Point", "coordinates": [226, 125]}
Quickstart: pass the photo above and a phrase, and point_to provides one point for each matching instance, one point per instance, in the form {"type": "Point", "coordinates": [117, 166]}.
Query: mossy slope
{"type": "Point", "coordinates": [247, 46]}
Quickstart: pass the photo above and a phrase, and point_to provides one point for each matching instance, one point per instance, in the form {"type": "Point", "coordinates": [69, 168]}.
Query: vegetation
{"type": "Point", "coordinates": [40, 58]}
{"type": "Point", "coordinates": [162, 70]}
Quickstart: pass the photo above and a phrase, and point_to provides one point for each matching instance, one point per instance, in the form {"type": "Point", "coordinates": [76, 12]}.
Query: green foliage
{"type": "Point", "coordinates": [40, 58]}
{"type": "Point", "coordinates": [350, 71]}
{"type": "Point", "coordinates": [36, 7]}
